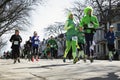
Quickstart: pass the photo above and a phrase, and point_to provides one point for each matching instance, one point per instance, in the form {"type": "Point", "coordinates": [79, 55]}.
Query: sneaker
{"type": "Point", "coordinates": [78, 59]}
{"type": "Point", "coordinates": [110, 59]}
{"type": "Point", "coordinates": [14, 62]}
{"type": "Point", "coordinates": [91, 59]}
{"type": "Point", "coordinates": [85, 58]}
{"type": "Point", "coordinates": [18, 60]}
{"type": "Point", "coordinates": [32, 59]}
{"type": "Point", "coordinates": [37, 59]}
{"type": "Point", "coordinates": [75, 60]}
{"type": "Point", "coordinates": [64, 60]}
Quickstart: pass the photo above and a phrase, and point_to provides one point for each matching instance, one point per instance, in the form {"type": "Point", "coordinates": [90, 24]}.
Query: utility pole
{"type": "Point", "coordinates": [110, 15]}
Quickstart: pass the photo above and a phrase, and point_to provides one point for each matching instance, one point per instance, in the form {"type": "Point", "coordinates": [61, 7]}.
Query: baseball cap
{"type": "Point", "coordinates": [111, 26]}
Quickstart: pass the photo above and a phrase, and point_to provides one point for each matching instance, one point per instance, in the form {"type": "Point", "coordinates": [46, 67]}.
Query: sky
{"type": "Point", "coordinates": [43, 15]}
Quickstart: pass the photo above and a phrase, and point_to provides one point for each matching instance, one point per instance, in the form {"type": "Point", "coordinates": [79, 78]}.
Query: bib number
{"type": "Point", "coordinates": [90, 25]}
{"type": "Point", "coordinates": [52, 46]}
{"type": "Point", "coordinates": [36, 42]}
{"type": "Point", "coordinates": [74, 38]}
{"type": "Point", "coordinates": [16, 42]}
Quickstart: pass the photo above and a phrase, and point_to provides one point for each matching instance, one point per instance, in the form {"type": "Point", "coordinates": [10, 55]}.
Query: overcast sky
{"type": "Point", "coordinates": [52, 11]}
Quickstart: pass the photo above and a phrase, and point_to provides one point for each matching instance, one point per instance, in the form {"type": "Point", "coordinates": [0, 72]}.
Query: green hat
{"type": "Point", "coordinates": [70, 13]}
{"type": "Point", "coordinates": [87, 9]}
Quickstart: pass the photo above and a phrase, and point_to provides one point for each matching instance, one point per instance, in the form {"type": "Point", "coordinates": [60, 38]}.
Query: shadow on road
{"type": "Point", "coordinates": [45, 66]}
{"type": "Point", "coordinates": [110, 76]}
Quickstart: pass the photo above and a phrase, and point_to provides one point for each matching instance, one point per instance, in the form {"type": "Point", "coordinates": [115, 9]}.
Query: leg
{"type": "Point", "coordinates": [74, 49]}
{"type": "Point", "coordinates": [18, 55]}
{"type": "Point", "coordinates": [14, 55]}
{"type": "Point", "coordinates": [110, 48]}
{"type": "Point", "coordinates": [33, 54]}
{"type": "Point", "coordinates": [52, 52]}
{"type": "Point", "coordinates": [87, 48]}
{"type": "Point", "coordinates": [68, 46]}
{"type": "Point", "coordinates": [37, 53]}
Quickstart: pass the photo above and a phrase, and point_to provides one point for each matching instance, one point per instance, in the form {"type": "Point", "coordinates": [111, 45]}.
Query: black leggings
{"type": "Point", "coordinates": [111, 47]}
{"type": "Point", "coordinates": [35, 51]}
{"type": "Point", "coordinates": [89, 40]}
{"type": "Point", "coordinates": [82, 47]}
{"type": "Point", "coordinates": [15, 53]}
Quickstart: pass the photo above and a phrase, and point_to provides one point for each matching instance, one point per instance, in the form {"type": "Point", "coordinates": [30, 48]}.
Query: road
{"type": "Point", "coordinates": [57, 70]}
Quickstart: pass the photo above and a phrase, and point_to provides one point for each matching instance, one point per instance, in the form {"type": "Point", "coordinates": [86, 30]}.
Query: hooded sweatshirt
{"type": "Point", "coordinates": [87, 19]}
{"type": "Point", "coordinates": [70, 28]}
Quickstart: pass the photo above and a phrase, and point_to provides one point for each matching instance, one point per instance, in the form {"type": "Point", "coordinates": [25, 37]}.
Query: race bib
{"type": "Point", "coordinates": [74, 38]}
{"type": "Point", "coordinates": [36, 42]}
{"type": "Point", "coordinates": [90, 25]}
{"type": "Point", "coordinates": [16, 42]}
{"type": "Point", "coordinates": [52, 46]}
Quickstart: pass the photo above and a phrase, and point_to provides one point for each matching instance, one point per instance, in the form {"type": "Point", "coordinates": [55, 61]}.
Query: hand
{"type": "Point", "coordinates": [83, 35]}
{"type": "Point", "coordinates": [20, 41]}
{"type": "Point", "coordinates": [93, 30]}
{"type": "Point", "coordinates": [81, 29]}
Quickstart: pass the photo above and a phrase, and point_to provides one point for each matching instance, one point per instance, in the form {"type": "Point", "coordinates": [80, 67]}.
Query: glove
{"type": "Point", "coordinates": [93, 30]}
{"type": "Point", "coordinates": [85, 26]}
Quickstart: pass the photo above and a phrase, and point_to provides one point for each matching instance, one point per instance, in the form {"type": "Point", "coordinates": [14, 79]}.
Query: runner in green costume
{"type": "Point", "coordinates": [71, 38]}
{"type": "Point", "coordinates": [89, 23]}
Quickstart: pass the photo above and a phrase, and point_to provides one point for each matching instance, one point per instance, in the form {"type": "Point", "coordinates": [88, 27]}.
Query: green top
{"type": "Point", "coordinates": [52, 43]}
{"type": "Point", "coordinates": [87, 19]}
{"type": "Point", "coordinates": [70, 28]}
{"type": "Point", "coordinates": [81, 37]}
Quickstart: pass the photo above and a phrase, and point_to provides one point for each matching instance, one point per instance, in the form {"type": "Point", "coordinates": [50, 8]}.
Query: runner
{"type": "Point", "coordinates": [89, 23]}
{"type": "Point", "coordinates": [16, 40]}
{"type": "Point", "coordinates": [110, 42]}
{"type": "Point", "coordinates": [27, 50]}
{"type": "Point", "coordinates": [53, 47]}
{"type": "Point", "coordinates": [71, 38]}
{"type": "Point", "coordinates": [81, 44]}
{"type": "Point", "coordinates": [35, 45]}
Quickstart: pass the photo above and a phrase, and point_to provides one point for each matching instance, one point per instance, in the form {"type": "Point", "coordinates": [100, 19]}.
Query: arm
{"type": "Point", "coordinates": [11, 39]}
{"type": "Point", "coordinates": [66, 27]}
{"type": "Point", "coordinates": [106, 35]}
{"type": "Point", "coordinates": [81, 23]}
{"type": "Point", "coordinates": [32, 39]}
{"type": "Point", "coordinates": [20, 39]}
{"type": "Point", "coordinates": [96, 23]}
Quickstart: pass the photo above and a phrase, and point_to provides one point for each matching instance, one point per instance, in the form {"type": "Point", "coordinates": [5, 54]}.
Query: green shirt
{"type": "Point", "coordinates": [81, 37]}
{"type": "Point", "coordinates": [52, 43]}
{"type": "Point", "coordinates": [86, 20]}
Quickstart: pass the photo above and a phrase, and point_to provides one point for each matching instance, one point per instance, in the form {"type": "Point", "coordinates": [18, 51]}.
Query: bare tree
{"type": "Point", "coordinates": [14, 14]}
{"type": "Point", "coordinates": [105, 9]}
{"type": "Point", "coordinates": [77, 10]}
{"type": "Point", "coordinates": [2, 43]}
{"type": "Point", "coordinates": [55, 29]}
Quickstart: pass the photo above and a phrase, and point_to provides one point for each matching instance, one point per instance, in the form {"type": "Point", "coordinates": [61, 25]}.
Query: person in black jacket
{"type": "Point", "coordinates": [16, 40]}
{"type": "Point", "coordinates": [110, 36]}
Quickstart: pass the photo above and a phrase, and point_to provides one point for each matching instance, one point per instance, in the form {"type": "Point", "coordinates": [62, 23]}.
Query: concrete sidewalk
{"type": "Point", "coordinates": [57, 70]}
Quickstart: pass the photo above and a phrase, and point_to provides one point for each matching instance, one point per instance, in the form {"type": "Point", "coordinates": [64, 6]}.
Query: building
{"type": "Point", "coordinates": [101, 50]}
